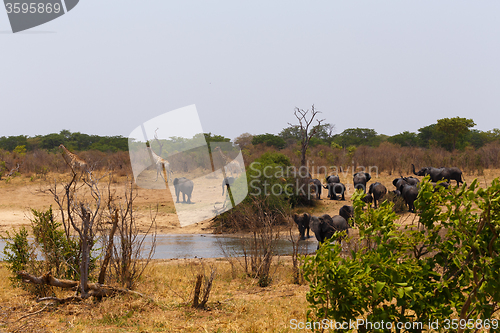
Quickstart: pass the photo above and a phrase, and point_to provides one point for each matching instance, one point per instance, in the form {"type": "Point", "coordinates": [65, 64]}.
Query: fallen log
{"type": "Point", "coordinates": [95, 289]}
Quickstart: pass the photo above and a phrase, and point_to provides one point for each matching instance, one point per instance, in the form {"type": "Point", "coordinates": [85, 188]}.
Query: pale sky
{"type": "Point", "coordinates": [108, 66]}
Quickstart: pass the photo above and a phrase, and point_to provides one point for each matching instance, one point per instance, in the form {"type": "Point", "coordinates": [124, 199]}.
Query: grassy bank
{"type": "Point", "coordinates": [236, 303]}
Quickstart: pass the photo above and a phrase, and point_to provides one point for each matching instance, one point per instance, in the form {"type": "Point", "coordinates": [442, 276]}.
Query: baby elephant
{"type": "Point", "coordinates": [185, 186]}
{"type": "Point", "coordinates": [303, 224]}
{"type": "Point", "coordinates": [315, 186]}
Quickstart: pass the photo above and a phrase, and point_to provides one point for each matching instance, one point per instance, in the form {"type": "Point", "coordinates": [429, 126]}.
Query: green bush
{"type": "Point", "coordinates": [60, 251]}
{"type": "Point", "coordinates": [20, 255]}
{"type": "Point", "coordinates": [266, 178]}
{"type": "Point", "coordinates": [51, 250]}
{"type": "Point", "coordinates": [17, 252]}
{"type": "Point", "coordinates": [444, 268]}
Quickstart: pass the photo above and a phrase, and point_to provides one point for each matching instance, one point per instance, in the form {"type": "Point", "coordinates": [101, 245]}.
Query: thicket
{"type": "Point", "coordinates": [443, 268]}
{"type": "Point", "coordinates": [267, 181]}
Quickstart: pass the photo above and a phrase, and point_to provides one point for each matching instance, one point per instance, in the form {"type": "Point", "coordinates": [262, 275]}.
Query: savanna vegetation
{"type": "Point", "coordinates": [443, 265]}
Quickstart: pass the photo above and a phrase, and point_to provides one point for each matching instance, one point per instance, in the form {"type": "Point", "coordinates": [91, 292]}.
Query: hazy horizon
{"type": "Point", "coordinates": [105, 68]}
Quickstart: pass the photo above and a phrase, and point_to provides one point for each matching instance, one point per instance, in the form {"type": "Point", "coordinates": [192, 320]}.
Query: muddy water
{"type": "Point", "coordinates": [208, 246]}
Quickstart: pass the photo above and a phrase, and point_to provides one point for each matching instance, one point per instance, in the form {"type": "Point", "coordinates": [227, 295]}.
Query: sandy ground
{"type": "Point", "coordinates": [21, 194]}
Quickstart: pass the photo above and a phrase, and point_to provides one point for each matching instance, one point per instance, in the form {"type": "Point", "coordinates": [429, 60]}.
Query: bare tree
{"type": "Point", "coordinates": [305, 119]}
{"type": "Point", "coordinates": [132, 254]}
{"type": "Point", "coordinates": [82, 208]}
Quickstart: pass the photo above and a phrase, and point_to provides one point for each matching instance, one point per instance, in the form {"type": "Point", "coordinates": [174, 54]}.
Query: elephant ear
{"type": "Point", "coordinates": [316, 227]}
{"type": "Point", "coordinates": [368, 177]}
{"type": "Point", "coordinates": [295, 218]}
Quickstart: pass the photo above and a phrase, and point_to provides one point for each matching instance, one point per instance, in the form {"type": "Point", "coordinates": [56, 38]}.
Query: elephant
{"type": "Point", "coordinates": [399, 181]}
{"type": "Point", "coordinates": [368, 198]}
{"type": "Point", "coordinates": [303, 224]}
{"type": "Point", "coordinates": [409, 194]}
{"type": "Point", "coordinates": [360, 179]}
{"type": "Point", "coordinates": [185, 186]}
{"type": "Point", "coordinates": [377, 190]}
{"type": "Point", "coordinates": [438, 174]}
{"type": "Point", "coordinates": [405, 180]}
{"type": "Point", "coordinates": [324, 227]}
{"type": "Point", "coordinates": [396, 193]}
{"type": "Point", "coordinates": [411, 180]}
{"type": "Point", "coordinates": [335, 189]}
{"type": "Point", "coordinates": [316, 185]}
{"type": "Point", "coordinates": [442, 184]}
{"type": "Point", "coordinates": [333, 179]}
{"type": "Point", "coordinates": [228, 181]}
{"type": "Point", "coordinates": [347, 212]}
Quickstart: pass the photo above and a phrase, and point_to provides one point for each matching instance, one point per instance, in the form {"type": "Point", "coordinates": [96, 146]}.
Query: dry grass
{"type": "Point", "coordinates": [236, 304]}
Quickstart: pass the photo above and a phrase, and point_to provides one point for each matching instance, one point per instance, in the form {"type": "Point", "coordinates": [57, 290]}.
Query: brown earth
{"type": "Point", "coordinates": [21, 194]}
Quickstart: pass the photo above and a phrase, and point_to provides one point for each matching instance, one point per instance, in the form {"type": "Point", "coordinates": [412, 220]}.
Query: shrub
{"type": "Point", "coordinates": [445, 268]}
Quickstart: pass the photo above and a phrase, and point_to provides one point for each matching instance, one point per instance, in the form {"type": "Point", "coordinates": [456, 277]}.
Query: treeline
{"type": "Point", "coordinates": [73, 141]}
{"type": "Point", "coordinates": [447, 133]}
{"type": "Point", "coordinates": [386, 157]}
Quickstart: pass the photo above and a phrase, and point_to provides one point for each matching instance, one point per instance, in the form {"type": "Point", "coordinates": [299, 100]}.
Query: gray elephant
{"type": "Point", "coordinates": [315, 185]}
{"type": "Point", "coordinates": [405, 180]}
{"type": "Point", "coordinates": [441, 184]}
{"type": "Point", "coordinates": [325, 227]}
{"type": "Point", "coordinates": [336, 191]}
{"type": "Point", "coordinates": [333, 179]}
{"type": "Point", "coordinates": [411, 180]}
{"type": "Point", "coordinates": [409, 193]}
{"type": "Point", "coordinates": [368, 198]}
{"type": "Point", "coordinates": [228, 181]}
{"type": "Point", "coordinates": [334, 187]}
{"type": "Point", "coordinates": [438, 174]}
{"type": "Point", "coordinates": [347, 212]}
{"type": "Point", "coordinates": [303, 224]}
{"type": "Point", "coordinates": [360, 179]}
{"type": "Point", "coordinates": [185, 186]}
{"type": "Point", "coordinates": [377, 190]}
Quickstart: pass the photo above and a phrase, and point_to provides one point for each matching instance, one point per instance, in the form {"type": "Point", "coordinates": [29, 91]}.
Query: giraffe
{"type": "Point", "coordinates": [74, 161]}
{"type": "Point", "coordinates": [160, 163]}
{"type": "Point", "coordinates": [232, 166]}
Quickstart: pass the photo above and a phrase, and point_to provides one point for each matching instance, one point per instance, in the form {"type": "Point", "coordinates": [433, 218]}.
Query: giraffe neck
{"type": "Point", "coordinates": [224, 157]}
{"type": "Point", "coordinates": [157, 158]}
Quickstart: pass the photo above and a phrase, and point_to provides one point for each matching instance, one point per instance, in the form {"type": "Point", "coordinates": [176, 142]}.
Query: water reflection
{"type": "Point", "coordinates": [207, 246]}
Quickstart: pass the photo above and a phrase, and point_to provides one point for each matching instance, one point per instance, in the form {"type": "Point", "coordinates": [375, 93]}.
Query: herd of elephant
{"type": "Point", "coordinates": [325, 226]}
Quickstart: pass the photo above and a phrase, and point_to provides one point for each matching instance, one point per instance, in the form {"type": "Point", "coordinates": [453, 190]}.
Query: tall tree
{"type": "Point", "coordinates": [357, 137]}
{"type": "Point", "coordinates": [244, 140]}
{"type": "Point", "coordinates": [269, 140]}
{"type": "Point", "coordinates": [305, 119]}
{"type": "Point", "coordinates": [454, 129]}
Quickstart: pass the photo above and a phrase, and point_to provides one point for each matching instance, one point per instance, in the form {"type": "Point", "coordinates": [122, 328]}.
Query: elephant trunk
{"type": "Point", "coordinates": [413, 168]}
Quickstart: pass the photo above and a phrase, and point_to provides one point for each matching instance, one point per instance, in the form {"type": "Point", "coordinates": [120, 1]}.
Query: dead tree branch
{"type": "Point", "coordinates": [94, 289]}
